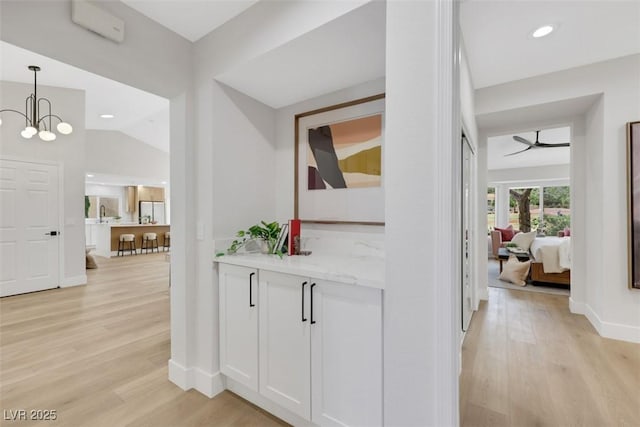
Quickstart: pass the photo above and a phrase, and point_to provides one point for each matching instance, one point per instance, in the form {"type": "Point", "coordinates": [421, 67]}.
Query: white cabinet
{"type": "Point", "coordinates": [346, 355]}
{"type": "Point", "coordinates": [239, 302]}
{"type": "Point", "coordinates": [285, 363]}
{"type": "Point", "coordinates": [90, 234]}
{"type": "Point", "coordinates": [321, 349]}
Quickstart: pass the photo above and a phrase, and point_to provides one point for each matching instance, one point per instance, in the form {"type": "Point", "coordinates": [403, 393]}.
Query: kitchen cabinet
{"type": "Point", "coordinates": [151, 194]}
{"type": "Point", "coordinates": [239, 324]}
{"type": "Point", "coordinates": [320, 351]}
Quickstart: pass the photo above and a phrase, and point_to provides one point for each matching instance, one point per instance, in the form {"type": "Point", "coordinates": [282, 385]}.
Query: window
{"type": "Point", "coordinates": [491, 208]}
{"type": "Point", "coordinates": [557, 209]}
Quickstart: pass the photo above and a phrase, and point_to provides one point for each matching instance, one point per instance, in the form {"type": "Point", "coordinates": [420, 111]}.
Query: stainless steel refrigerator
{"type": "Point", "coordinates": [154, 210]}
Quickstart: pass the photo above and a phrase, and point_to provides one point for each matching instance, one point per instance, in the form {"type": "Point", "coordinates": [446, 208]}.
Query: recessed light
{"type": "Point", "coordinates": [163, 182]}
{"type": "Point", "coordinates": [545, 30]}
{"type": "Point", "coordinates": [90, 176]}
{"type": "Point", "coordinates": [107, 116]}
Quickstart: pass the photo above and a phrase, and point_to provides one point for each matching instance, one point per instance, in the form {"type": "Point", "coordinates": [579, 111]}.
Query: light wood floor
{"type": "Point", "coordinates": [97, 354]}
{"type": "Point", "coordinates": [527, 361]}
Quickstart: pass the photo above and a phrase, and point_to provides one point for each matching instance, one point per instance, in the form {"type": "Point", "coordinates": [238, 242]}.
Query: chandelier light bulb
{"type": "Point", "coordinates": [64, 128]}
{"type": "Point", "coordinates": [30, 130]}
{"type": "Point", "coordinates": [47, 136]}
{"type": "Point", "coordinates": [26, 134]}
{"type": "Point", "coordinates": [0, 122]}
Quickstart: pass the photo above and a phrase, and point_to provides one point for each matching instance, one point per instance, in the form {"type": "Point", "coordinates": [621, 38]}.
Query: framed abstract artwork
{"type": "Point", "coordinates": [339, 163]}
{"type": "Point", "coordinates": [633, 173]}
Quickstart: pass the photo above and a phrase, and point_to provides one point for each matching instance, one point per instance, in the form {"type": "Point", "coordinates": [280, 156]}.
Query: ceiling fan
{"type": "Point", "coordinates": [536, 144]}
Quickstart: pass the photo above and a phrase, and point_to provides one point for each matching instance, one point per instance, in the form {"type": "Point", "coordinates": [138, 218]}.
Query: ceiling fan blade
{"type": "Point", "coordinates": [521, 151]}
{"type": "Point", "coordinates": [562, 144]}
{"type": "Point", "coordinates": [524, 141]}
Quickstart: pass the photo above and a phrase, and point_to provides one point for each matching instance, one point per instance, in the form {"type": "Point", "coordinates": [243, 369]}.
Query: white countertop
{"type": "Point", "coordinates": [351, 270]}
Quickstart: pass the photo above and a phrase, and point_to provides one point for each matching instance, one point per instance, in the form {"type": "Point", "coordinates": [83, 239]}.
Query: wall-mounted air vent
{"type": "Point", "coordinates": [99, 21]}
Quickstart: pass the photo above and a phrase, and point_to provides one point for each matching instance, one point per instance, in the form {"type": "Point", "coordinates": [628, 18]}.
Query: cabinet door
{"type": "Point", "coordinates": [346, 355]}
{"type": "Point", "coordinates": [284, 341]}
{"type": "Point", "coordinates": [239, 324]}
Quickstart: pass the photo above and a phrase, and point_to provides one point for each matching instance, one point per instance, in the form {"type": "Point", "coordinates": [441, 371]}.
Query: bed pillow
{"type": "Point", "coordinates": [524, 240]}
{"type": "Point", "coordinates": [506, 233]}
{"type": "Point", "coordinates": [515, 271]}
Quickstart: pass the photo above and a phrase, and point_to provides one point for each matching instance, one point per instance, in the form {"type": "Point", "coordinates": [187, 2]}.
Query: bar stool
{"type": "Point", "coordinates": [149, 238]}
{"type": "Point", "coordinates": [130, 241]}
{"type": "Point", "coordinates": [167, 241]}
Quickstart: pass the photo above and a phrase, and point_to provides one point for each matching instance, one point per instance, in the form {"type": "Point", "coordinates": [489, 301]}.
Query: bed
{"type": "Point", "coordinates": [551, 260]}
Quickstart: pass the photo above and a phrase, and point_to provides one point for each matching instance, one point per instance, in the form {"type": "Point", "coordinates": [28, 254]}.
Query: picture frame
{"type": "Point", "coordinates": [633, 199]}
{"type": "Point", "coordinates": [338, 169]}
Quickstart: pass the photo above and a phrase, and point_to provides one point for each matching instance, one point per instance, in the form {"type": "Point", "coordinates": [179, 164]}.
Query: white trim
{"type": "Point", "coordinates": [616, 331]}
{"type": "Point", "coordinates": [29, 160]}
{"type": "Point", "coordinates": [68, 282]}
{"type": "Point", "coordinates": [266, 404]}
{"type": "Point", "coordinates": [208, 384]}
{"type": "Point", "coordinates": [448, 152]}
{"type": "Point", "coordinates": [179, 375]}
{"type": "Point", "coordinates": [576, 307]}
{"type": "Point", "coordinates": [483, 294]}
{"type": "Point", "coordinates": [62, 233]}
{"type": "Point", "coordinates": [187, 378]}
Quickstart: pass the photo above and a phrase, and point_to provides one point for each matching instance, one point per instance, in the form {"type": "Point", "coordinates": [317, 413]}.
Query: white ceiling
{"type": "Point", "coordinates": [137, 113]}
{"type": "Point", "coordinates": [500, 49]}
{"type": "Point", "coordinates": [498, 146]}
{"type": "Point", "coordinates": [192, 19]}
{"type": "Point", "coordinates": [344, 52]}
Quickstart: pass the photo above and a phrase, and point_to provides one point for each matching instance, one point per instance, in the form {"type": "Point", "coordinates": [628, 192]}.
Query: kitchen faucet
{"type": "Point", "coordinates": [103, 212]}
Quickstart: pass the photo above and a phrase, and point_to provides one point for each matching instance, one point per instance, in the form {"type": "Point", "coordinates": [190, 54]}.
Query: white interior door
{"type": "Point", "coordinates": [466, 294]}
{"type": "Point", "coordinates": [29, 242]}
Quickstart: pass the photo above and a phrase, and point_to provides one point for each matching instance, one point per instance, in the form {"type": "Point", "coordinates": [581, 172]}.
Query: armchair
{"type": "Point", "coordinates": [497, 242]}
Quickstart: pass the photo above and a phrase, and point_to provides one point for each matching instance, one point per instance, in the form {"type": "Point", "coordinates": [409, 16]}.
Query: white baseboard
{"type": "Point", "coordinates": [67, 282]}
{"type": "Point", "coordinates": [576, 307]}
{"type": "Point", "coordinates": [264, 403]}
{"type": "Point", "coordinates": [208, 384]}
{"type": "Point", "coordinates": [483, 294]}
{"type": "Point", "coordinates": [188, 378]}
{"type": "Point", "coordinates": [611, 330]}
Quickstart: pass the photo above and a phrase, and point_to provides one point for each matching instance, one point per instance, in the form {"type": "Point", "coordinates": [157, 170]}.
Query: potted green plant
{"type": "Point", "coordinates": [264, 233]}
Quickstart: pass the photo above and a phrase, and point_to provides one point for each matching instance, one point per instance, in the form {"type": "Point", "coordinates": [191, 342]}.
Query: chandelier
{"type": "Point", "coordinates": [34, 123]}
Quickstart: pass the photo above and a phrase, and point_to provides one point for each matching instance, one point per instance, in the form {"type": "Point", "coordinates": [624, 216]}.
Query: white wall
{"type": "Point", "coordinates": [467, 97]}
{"type": "Point", "coordinates": [67, 151]}
{"type": "Point", "coordinates": [610, 305]}
{"type": "Point", "coordinates": [115, 153]}
{"type": "Point", "coordinates": [421, 302]}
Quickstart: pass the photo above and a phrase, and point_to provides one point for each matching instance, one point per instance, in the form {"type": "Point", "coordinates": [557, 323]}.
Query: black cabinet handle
{"type": "Point", "coordinates": [304, 319]}
{"type": "Point", "coordinates": [311, 290]}
{"type": "Point", "coordinates": [251, 304]}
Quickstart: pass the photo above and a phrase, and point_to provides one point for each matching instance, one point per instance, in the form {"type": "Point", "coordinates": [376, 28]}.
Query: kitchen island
{"type": "Point", "coordinates": [108, 235]}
